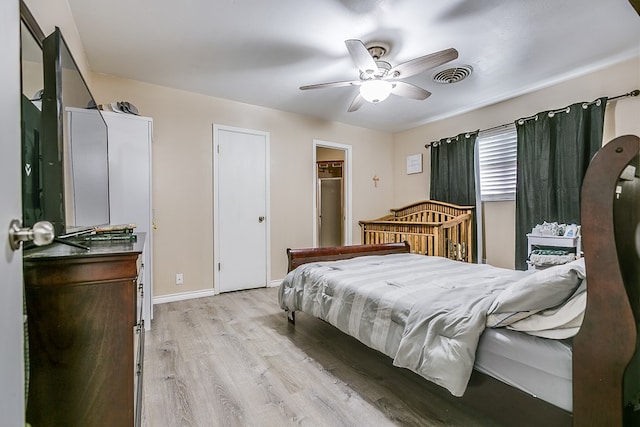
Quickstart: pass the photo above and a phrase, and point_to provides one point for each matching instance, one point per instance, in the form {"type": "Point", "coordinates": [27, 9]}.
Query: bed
{"type": "Point", "coordinates": [592, 378]}
{"type": "Point", "coordinates": [430, 227]}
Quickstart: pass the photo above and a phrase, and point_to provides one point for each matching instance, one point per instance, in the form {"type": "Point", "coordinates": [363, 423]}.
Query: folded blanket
{"type": "Point", "coordinates": [547, 257]}
{"type": "Point", "coordinates": [542, 290]}
{"type": "Point", "coordinates": [559, 322]}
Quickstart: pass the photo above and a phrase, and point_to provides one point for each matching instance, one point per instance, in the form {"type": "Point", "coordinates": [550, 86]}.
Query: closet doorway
{"type": "Point", "coordinates": [332, 194]}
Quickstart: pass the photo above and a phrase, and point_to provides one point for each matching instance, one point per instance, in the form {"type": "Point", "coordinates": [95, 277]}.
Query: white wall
{"type": "Point", "coordinates": [182, 175]}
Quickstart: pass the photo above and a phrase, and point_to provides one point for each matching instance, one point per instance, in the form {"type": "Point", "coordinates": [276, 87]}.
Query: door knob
{"type": "Point", "coordinates": [260, 218]}
{"type": "Point", "coordinates": [41, 234]}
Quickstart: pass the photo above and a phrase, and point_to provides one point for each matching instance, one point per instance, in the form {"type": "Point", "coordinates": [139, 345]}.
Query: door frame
{"type": "Point", "coordinates": [216, 218]}
{"type": "Point", "coordinates": [347, 182]}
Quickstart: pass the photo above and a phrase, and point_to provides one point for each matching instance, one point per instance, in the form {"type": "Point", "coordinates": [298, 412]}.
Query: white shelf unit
{"type": "Point", "coordinates": [534, 240]}
{"type": "Point", "coordinates": [130, 187]}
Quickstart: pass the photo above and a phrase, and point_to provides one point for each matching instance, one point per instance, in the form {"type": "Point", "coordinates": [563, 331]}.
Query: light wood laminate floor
{"type": "Point", "coordinates": [234, 360]}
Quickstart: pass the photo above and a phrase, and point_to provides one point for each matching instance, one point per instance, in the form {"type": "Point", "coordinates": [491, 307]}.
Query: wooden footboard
{"type": "Point", "coordinates": [605, 351]}
{"type": "Point", "coordinates": [430, 227]}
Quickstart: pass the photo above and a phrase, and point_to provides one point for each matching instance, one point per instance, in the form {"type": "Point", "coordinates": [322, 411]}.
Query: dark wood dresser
{"type": "Point", "coordinates": [86, 334]}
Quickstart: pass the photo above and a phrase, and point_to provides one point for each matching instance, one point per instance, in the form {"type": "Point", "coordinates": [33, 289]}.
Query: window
{"type": "Point", "coordinates": [497, 163]}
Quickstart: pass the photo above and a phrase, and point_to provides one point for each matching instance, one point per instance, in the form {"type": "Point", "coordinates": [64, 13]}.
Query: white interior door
{"type": "Point", "coordinates": [11, 317]}
{"type": "Point", "coordinates": [241, 208]}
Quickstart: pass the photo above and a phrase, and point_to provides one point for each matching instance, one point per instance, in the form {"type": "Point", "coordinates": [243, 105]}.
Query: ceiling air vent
{"type": "Point", "coordinates": [453, 75]}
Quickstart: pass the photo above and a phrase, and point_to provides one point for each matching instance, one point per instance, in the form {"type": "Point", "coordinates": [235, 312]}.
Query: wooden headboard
{"type": "Point", "coordinates": [298, 257]}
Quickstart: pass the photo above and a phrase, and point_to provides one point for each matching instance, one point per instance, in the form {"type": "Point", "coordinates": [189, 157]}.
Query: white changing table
{"type": "Point", "coordinates": [553, 242]}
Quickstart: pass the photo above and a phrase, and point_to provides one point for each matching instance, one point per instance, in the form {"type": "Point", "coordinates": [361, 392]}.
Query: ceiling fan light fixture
{"type": "Point", "coordinates": [375, 90]}
{"type": "Point", "coordinates": [378, 79]}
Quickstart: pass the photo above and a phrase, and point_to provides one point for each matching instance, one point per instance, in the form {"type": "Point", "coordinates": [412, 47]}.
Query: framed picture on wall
{"type": "Point", "coordinates": [414, 164]}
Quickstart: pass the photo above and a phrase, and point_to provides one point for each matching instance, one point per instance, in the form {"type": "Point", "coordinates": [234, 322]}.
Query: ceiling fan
{"type": "Point", "coordinates": [378, 79]}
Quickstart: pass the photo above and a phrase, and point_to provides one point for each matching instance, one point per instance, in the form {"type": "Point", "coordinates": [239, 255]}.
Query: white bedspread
{"type": "Point", "coordinates": [440, 305]}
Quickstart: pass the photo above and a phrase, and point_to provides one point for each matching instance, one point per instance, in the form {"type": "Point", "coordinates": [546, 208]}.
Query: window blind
{"type": "Point", "coordinates": [497, 161]}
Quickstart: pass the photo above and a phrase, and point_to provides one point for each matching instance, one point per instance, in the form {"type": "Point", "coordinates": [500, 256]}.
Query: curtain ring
{"type": "Point", "coordinates": [551, 114]}
{"type": "Point", "coordinates": [568, 110]}
{"type": "Point", "coordinates": [467, 135]}
{"type": "Point", "coordinates": [521, 122]}
{"type": "Point", "coordinates": [598, 102]}
{"type": "Point", "coordinates": [536, 118]}
{"type": "Point", "coordinates": [448, 140]}
{"type": "Point", "coordinates": [585, 105]}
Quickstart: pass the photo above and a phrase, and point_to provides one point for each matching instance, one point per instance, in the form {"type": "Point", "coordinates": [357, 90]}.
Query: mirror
{"type": "Point", "coordinates": [31, 109]}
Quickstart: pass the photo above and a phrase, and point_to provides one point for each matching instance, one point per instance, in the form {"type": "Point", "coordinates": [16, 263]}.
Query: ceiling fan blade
{"type": "Point", "coordinates": [332, 84]}
{"type": "Point", "coordinates": [408, 90]}
{"type": "Point", "coordinates": [422, 63]}
{"type": "Point", "coordinates": [361, 56]}
{"type": "Point", "coordinates": [356, 103]}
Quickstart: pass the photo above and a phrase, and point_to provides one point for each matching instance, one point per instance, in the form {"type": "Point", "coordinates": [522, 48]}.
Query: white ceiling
{"type": "Point", "coordinates": [260, 51]}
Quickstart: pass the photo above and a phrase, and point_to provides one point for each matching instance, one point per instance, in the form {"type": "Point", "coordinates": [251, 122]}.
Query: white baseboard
{"type": "Point", "coordinates": [274, 283]}
{"type": "Point", "coordinates": [182, 296]}
{"type": "Point", "coordinates": [198, 294]}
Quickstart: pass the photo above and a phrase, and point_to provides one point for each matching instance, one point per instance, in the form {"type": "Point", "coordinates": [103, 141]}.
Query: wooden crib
{"type": "Point", "coordinates": [430, 227]}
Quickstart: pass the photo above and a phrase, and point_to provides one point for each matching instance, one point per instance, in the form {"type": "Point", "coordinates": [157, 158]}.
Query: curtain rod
{"type": "Point", "coordinates": [626, 95]}
{"type": "Point", "coordinates": [633, 93]}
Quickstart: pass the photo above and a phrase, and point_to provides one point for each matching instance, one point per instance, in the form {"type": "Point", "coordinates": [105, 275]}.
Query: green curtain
{"type": "Point", "coordinates": [453, 178]}
{"type": "Point", "coordinates": [554, 151]}
{"type": "Point", "coordinates": [453, 174]}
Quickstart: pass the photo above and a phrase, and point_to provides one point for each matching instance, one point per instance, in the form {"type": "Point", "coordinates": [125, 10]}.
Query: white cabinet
{"type": "Point", "coordinates": [130, 182]}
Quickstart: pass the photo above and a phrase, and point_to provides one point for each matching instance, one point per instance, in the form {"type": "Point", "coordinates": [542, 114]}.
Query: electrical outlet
{"type": "Point", "coordinates": [179, 279]}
